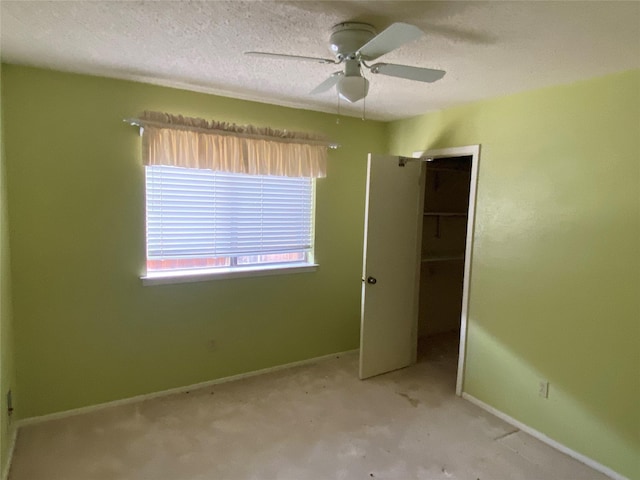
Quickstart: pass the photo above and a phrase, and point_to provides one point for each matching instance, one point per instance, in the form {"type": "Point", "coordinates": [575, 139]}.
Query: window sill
{"type": "Point", "coordinates": [191, 276]}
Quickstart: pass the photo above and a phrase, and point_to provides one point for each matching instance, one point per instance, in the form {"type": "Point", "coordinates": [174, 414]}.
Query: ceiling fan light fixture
{"type": "Point", "coordinates": [352, 88]}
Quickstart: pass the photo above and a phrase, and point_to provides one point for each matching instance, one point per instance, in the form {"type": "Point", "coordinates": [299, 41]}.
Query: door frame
{"type": "Point", "coordinates": [474, 152]}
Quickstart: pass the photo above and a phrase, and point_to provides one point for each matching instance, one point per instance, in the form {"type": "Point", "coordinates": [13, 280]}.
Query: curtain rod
{"type": "Point", "coordinates": [139, 122]}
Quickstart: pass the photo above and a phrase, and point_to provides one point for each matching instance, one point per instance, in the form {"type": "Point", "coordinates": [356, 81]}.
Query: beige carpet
{"type": "Point", "coordinates": [312, 422]}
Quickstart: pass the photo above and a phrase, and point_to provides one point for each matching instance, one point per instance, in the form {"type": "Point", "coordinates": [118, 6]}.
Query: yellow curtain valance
{"type": "Point", "coordinates": [179, 141]}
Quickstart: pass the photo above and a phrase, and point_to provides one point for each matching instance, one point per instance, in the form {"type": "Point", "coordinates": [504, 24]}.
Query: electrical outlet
{"type": "Point", "coordinates": [9, 403]}
{"type": "Point", "coordinates": [543, 388]}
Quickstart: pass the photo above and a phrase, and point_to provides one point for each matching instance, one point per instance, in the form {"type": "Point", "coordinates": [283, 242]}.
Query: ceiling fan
{"type": "Point", "coordinates": [355, 44]}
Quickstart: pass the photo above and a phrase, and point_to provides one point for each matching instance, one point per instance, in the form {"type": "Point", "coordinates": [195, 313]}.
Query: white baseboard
{"type": "Point", "coordinates": [12, 446]}
{"type": "Point", "coordinates": [543, 438]}
{"type": "Point", "coordinates": [172, 391]}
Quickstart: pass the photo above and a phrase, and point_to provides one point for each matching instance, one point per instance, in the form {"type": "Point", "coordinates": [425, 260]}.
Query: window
{"type": "Point", "coordinates": [219, 222]}
{"type": "Point", "coordinates": [226, 199]}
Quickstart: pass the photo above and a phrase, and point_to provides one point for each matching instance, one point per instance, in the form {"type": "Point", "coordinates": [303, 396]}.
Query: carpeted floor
{"type": "Point", "coordinates": [305, 423]}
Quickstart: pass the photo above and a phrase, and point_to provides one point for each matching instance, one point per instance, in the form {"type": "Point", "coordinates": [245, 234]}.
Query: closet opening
{"type": "Point", "coordinates": [442, 270]}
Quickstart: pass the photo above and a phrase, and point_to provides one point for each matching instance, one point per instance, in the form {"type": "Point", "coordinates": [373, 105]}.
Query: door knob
{"type": "Point", "coordinates": [371, 280]}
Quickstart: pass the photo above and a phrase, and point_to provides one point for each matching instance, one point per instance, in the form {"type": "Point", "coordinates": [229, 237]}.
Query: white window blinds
{"type": "Point", "coordinates": [201, 218]}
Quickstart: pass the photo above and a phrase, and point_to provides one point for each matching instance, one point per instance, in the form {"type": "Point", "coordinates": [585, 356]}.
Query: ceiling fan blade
{"type": "Point", "coordinates": [395, 35]}
{"type": "Point", "coordinates": [405, 71]}
{"type": "Point", "coordinates": [327, 84]}
{"type": "Point", "coordinates": [290, 57]}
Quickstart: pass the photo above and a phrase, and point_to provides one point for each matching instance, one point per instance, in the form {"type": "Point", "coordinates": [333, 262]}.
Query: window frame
{"type": "Point", "coordinates": [190, 275]}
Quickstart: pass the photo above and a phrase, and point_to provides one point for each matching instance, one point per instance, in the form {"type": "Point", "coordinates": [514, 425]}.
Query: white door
{"type": "Point", "coordinates": [391, 265]}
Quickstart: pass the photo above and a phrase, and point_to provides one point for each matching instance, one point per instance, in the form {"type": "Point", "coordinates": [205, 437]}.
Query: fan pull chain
{"type": "Point", "coordinates": [338, 119]}
{"type": "Point", "coordinates": [364, 108]}
{"type": "Point", "coordinates": [364, 101]}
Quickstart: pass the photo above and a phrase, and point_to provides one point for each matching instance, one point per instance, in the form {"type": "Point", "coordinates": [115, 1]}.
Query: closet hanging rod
{"type": "Point", "coordinates": [402, 161]}
{"type": "Point", "coordinates": [432, 168]}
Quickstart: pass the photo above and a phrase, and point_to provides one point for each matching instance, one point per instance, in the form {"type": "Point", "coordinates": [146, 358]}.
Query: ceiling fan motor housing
{"type": "Point", "coordinates": [347, 38]}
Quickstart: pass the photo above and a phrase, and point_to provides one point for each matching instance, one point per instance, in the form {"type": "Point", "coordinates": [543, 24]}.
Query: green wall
{"type": "Point", "coordinates": [556, 260]}
{"type": "Point", "coordinates": [555, 283]}
{"type": "Point", "coordinates": [7, 378]}
{"type": "Point", "coordinates": [86, 329]}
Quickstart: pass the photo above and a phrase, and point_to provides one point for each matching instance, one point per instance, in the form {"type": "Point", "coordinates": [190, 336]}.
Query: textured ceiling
{"type": "Point", "coordinates": [487, 48]}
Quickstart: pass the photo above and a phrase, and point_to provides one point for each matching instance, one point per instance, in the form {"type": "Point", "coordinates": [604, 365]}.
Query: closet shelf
{"type": "Point", "coordinates": [442, 258]}
{"type": "Point", "coordinates": [445, 214]}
